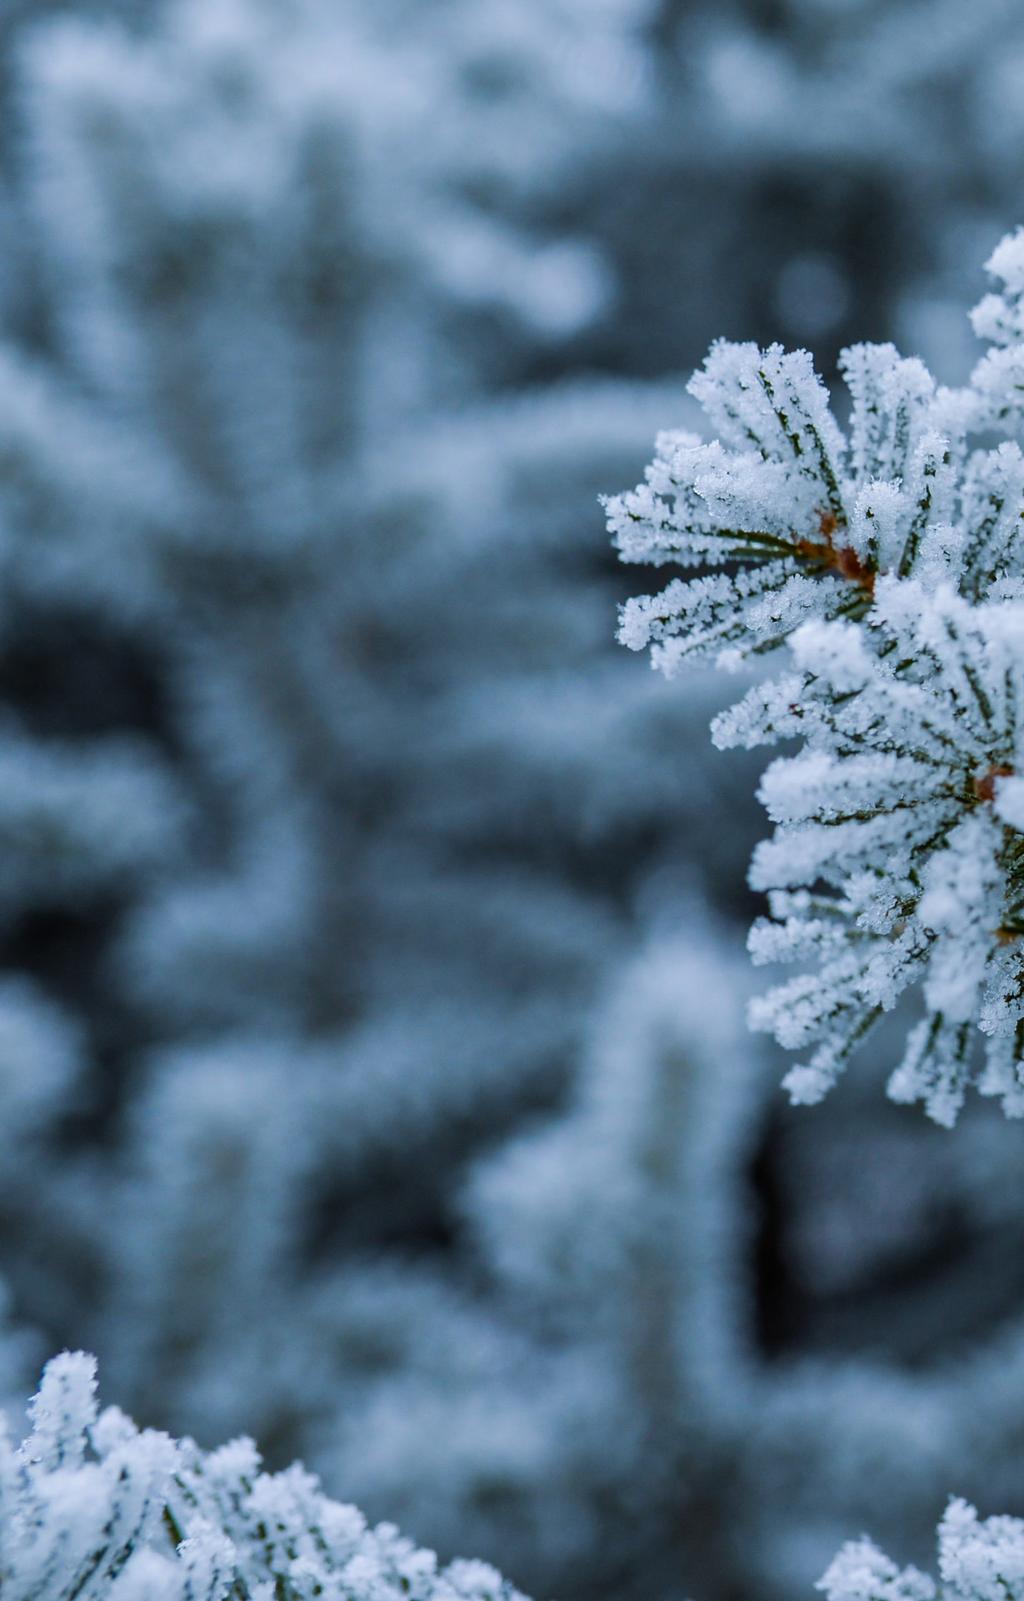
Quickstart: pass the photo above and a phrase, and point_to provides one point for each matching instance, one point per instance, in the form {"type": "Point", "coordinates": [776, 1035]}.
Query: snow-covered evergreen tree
{"type": "Point", "coordinates": [308, 812]}
{"type": "Point", "coordinates": [315, 854]}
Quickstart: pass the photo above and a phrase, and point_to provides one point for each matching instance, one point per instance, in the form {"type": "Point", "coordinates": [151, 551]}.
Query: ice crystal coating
{"type": "Point", "coordinates": [91, 1507]}
{"type": "Point", "coordinates": [801, 518]}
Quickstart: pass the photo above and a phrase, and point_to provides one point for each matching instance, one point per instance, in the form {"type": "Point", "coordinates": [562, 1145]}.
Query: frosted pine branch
{"type": "Point", "coordinates": [979, 1560]}
{"type": "Point", "coordinates": [905, 807]}
{"type": "Point", "coordinates": [892, 564]}
{"type": "Point", "coordinates": [90, 1508]}
{"type": "Point", "coordinates": [803, 518]}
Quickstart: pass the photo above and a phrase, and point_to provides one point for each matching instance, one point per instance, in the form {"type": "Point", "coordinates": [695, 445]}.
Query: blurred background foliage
{"type": "Point", "coordinates": [372, 1072]}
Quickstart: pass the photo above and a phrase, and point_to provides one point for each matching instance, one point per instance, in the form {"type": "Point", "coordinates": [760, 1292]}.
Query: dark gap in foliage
{"type": "Point", "coordinates": [917, 1299]}
{"type": "Point", "coordinates": [780, 1309]}
{"type": "Point", "coordinates": [66, 952]}
{"type": "Point", "coordinates": [407, 1201]}
{"type": "Point", "coordinates": [71, 676]}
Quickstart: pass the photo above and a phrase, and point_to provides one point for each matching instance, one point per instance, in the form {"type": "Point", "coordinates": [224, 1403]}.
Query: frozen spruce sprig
{"type": "Point", "coordinates": [92, 1509]}
{"type": "Point", "coordinates": [898, 852]}
{"type": "Point", "coordinates": [979, 1560]}
{"type": "Point", "coordinates": [893, 563]}
{"type": "Point", "coordinates": [787, 518]}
